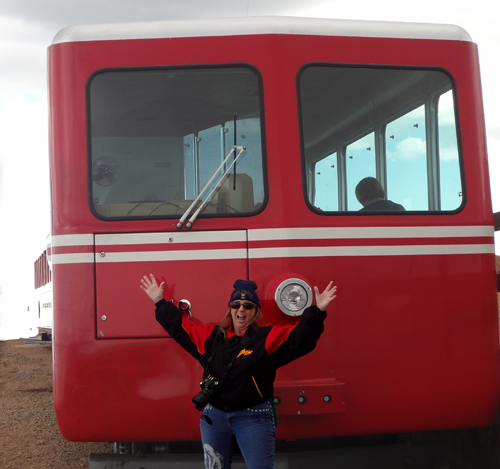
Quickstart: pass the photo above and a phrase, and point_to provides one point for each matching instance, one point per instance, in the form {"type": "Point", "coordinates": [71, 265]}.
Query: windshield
{"type": "Point", "coordinates": [157, 136]}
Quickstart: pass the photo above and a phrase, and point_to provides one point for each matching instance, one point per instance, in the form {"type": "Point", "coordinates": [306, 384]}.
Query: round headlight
{"type": "Point", "coordinates": [293, 296]}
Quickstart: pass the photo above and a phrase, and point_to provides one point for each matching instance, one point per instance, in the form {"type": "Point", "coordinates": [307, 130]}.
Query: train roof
{"type": "Point", "coordinates": [255, 25]}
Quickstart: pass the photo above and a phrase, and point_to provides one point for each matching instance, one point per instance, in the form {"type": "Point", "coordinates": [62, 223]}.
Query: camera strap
{"type": "Point", "coordinates": [243, 343]}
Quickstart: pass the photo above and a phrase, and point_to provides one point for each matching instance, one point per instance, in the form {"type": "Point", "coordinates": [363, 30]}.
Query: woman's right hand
{"type": "Point", "coordinates": [151, 287]}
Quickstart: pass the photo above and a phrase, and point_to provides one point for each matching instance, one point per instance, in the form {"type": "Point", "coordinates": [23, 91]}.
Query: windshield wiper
{"type": "Point", "coordinates": [217, 185]}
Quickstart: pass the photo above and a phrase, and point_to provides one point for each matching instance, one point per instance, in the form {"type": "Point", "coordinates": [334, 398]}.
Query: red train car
{"type": "Point", "coordinates": [42, 304]}
{"type": "Point", "coordinates": [142, 119]}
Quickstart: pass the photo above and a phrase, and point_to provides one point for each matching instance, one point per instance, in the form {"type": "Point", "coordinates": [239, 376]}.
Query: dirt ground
{"type": "Point", "coordinates": [29, 435]}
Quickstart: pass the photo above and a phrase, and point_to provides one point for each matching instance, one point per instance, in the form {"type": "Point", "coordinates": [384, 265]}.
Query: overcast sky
{"type": "Point", "coordinates": [27, 28]}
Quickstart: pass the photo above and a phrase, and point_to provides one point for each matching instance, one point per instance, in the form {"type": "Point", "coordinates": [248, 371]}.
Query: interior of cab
{"type": "Point", "coordinates": [159, 137]}
{"type": "Point", "coordinates": [392, 124]}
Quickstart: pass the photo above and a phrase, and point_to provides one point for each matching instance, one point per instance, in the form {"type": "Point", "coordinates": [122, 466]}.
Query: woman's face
{"type": "Point", "coordinates": [242, 312]}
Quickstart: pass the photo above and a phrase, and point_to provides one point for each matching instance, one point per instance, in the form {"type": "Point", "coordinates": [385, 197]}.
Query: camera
{"type": "Point", "coordinates": [208, 389]}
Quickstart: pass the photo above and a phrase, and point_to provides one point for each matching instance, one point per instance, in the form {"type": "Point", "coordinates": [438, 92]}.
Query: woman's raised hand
{"type": "Point", "coordinates": [324, 299]}
{"type": "Point", "coordinates": [151, 287]}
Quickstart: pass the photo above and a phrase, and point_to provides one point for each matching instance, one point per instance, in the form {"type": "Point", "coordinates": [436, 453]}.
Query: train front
{"type": "Point", "coordinates": [203, 157]}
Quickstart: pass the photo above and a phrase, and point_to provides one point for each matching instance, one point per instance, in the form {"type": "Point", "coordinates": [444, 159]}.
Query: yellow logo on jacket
{"type": "Point", "coordinates": [244, 352]}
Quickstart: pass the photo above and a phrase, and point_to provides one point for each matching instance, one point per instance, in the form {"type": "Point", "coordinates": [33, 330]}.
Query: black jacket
{"type": "Point", "coordinates": [247, 364]}
{"type": "Point", "coordinates": [383, 205]}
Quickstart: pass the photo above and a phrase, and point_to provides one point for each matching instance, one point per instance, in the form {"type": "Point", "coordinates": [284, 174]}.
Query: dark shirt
{"type": "Point", "coordinates": [383, 205]}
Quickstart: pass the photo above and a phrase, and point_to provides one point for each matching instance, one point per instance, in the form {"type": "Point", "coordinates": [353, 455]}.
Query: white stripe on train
{"type": "Point", "coordinates": [176, 237]}
{"type": "Point", "coordinates": [270, 234]}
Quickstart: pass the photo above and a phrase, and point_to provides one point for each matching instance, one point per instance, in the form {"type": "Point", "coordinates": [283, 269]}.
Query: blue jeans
{"type": "Point", "coordinates": [252, 428]}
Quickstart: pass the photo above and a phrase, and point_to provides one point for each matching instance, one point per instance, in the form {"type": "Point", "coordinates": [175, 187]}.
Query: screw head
{"type": "Point", "coordinates": [103, 317]}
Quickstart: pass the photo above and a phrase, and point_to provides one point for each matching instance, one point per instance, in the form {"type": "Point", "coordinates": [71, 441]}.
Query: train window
{"type": "Point", "coordinates": [360, 163]}
{"type": "Point", "coordinates": [448, 154]}
{"type": "Point", "coordinates": [406, 160]}
{"type": "Point", "coordinates": [326, 183]}
{"type": "Point", "coordinates": [157, 137]}
{"type": "Point", "coordinates": [394, 125]}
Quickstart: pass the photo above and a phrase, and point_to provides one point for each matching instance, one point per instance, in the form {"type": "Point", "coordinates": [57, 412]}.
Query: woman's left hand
{"type": "Point", "coordinates": [324, 299]}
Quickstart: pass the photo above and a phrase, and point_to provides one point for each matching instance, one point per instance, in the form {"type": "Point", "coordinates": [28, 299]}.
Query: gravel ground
{"type": "Point", "coordinates": [29, 436]}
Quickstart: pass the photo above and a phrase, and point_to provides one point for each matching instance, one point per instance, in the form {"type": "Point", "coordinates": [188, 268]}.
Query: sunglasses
{"type": "Point", "coordinates": [237, 304]}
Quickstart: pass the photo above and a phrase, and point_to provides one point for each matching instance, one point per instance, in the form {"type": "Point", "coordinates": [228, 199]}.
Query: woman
{"type": "Point", "coordinates": [240, 359]}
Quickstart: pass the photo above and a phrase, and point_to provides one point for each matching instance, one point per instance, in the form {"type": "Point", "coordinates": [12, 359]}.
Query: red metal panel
{"type": "Point", "coordinates": [401, 339]}
{"type": "Point", "coordinates": [122, 312]}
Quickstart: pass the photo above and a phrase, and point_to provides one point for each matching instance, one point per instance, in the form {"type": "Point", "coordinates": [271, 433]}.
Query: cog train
{"type": "Point", "coordinates": [207, 151]}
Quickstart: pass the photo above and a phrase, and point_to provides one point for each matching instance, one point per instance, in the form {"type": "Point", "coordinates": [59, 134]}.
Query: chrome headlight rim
{"type": "Point", "coordinates": [301, 284]}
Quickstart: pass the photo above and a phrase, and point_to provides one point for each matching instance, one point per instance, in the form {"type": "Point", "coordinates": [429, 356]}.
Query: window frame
{"type": "Point", "coordinates": [166, 68]}
{"type": "Point", "coordinates": [430, 102]}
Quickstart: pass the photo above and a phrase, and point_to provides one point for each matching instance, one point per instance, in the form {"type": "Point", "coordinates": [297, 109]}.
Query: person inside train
{"type": "Point", "coordinates": [240, 357]}
{"type": "Point", "coordinates": [371, 196]}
